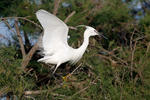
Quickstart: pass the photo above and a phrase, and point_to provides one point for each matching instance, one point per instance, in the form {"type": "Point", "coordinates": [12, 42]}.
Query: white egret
{"type": "Point", "coordinates": [54, 41]}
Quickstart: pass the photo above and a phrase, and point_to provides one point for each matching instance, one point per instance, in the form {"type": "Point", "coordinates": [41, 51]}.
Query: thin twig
{"type": "Point", "coordinates": [6, 22]}
{"type": "Point", "coordinates": [111, 54]}
{"type": "Point", "coordinates": [35, 92]}
{"type": "Point", "coordinates": [148, 47]}
{"type": "Point", "coordinates": [132, 53]}
{"type": "Point", "coordinates": [41, 91]}
{"type": "Point", "coordinates": [69, 16]}
{"type": "Point", "coordinates": [75, 69]}
{"type": "Point", "coordinates": [23, 18]}
{"type": "Point", "coordinates": [73, 28]}
{"type": "Point", "coordinates": [56, 6]}
{"type": "Point", "coordinates": [84, 88]}
{"type": "Point", "coordinates": [29, 97]}
{"type": "Point", "coordinates": [20, 39]}
{"type": "Point", "coordinates": [121, 84]}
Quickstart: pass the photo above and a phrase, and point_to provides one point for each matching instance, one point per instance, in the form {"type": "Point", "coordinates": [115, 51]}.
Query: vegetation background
{"type": "Point", "coordinates": [114, 69]}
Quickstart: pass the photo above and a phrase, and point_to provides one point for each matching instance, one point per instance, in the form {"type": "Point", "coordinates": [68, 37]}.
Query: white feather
{"type": "Point", "coordinates": [54, 41]}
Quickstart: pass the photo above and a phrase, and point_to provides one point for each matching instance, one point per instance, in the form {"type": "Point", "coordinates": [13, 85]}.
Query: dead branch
{"type": "Point", "coordinates": [6, 22]}
{"type": "Point", "coordinates": [30, 97]}
{"type": "Point", "coordinates": [73, 28]}
{"type": "Point", "coordinates": [56, 6]}
{"type": "Point", "coordinates": [91, 83]}
{"type": "Point", "coordinates": [111, 54]}
{"type": "Point", "coordinates": [35, 92]}
{"type": "Point", "coordinates": [29, 56]}
{"type": "Point", "coordinates": [40, 92]}
{"type": "Point", "coordinates": [69, 16]}
{"type": "Point", "coordinates": [75, 69]}
{"type": "Point", "coordinates": [132, 52]}
{"type": "Point", "coordinates": [148, 47]}
{"type": "Point", "coordinates": [20, 39]}
{"type": "Point", "coordinates": [23, 18]}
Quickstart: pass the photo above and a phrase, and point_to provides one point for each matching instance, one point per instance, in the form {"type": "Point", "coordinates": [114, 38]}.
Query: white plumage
{"type": "Point", "coordinates": [54, 41]}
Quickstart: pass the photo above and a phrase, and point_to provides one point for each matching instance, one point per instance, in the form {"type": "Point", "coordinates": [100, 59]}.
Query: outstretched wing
{"type": "Point", "coordinates": [55, 31]}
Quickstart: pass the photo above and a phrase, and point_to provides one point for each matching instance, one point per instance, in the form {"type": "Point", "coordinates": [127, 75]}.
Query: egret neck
{"type": "Point", "coordinates": [84, 45]}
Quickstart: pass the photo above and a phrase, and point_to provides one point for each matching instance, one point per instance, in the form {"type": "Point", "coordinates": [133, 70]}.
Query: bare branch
{"type": "Point", "coordinates": [148, 47]}
{"type": "Point", "coordinates": [69, 16]}
{"type": "Point", "coordinates": [23, 18]}
{"type": "Point", "coordinates": [111, 54]}
{"type": "Point", "coordinates": [29, 56]}
{"type": "Point", "coordinates": [56, 6]}
{"type": "Point", "coordinates": [30, 97]}
{"type": "Point", "coordinates": [40, 92]}
{"type": "Point", "coordinates": [35, 92]}
{"type": "Point", "coordinates": [132, 47]}
{"type": "Point", "coordinates": [20, 39]}
{"type": "Point", "coordinates": [5, 21]}
{"type": "Point", "coordinates": [73, 28]}
{"type": "Point", "coordinates": [80, 91]}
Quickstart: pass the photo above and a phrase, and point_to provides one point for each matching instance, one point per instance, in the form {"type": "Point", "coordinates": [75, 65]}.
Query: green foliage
{"type": "Point", "coordinates": [117, 68]}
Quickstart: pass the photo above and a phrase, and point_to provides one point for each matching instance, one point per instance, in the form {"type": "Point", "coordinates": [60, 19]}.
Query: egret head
{"type": "Point", "coordinates": [91, 31]}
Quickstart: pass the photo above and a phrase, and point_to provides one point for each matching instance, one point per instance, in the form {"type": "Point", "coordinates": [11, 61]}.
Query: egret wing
{"type": "Point", "coordinates": [55, 31]}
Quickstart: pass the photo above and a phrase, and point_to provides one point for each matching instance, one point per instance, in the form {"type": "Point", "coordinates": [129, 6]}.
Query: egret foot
{"type": "Point", "coordinates": [65, 78]}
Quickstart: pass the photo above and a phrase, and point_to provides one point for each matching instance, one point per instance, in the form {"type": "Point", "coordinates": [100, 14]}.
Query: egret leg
{"type": "Point", "coordinates": [56, 67]}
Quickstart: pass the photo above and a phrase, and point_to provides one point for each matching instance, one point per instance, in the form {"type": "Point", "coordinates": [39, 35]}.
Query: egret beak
{"type": "Point", "coordinates": [98, 33]}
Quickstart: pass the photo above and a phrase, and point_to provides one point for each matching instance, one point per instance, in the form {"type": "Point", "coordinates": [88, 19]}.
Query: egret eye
{"type": "Point", "coordinates": [96, 32]}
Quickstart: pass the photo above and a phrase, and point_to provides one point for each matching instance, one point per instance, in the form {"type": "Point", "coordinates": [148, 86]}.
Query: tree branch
{"type": "Point", "coordinates": [69, 16]}
{"type": "Point", "coordinates": [23, 18]}
{"type": "Point", "coordinates": [56, 6]}
{"type": "Point", "coordinates": [29, 56]}
{"type": "Point", "coordinates": [20, 39]}
{"type": "Point", "coordinates": [80, 91]}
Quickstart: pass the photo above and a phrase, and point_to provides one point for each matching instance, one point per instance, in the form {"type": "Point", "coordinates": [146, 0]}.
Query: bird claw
{"type": "Point", "coordinates": [65, 78]}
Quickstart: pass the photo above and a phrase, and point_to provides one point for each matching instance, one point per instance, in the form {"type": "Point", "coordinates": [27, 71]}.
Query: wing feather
{"type": "Point", "coordinates": [55, 31]}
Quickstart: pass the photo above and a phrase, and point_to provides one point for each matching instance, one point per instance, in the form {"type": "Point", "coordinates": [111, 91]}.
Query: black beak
{"type": "Point", "coordinates": [101, 34]}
